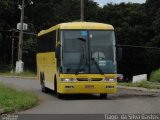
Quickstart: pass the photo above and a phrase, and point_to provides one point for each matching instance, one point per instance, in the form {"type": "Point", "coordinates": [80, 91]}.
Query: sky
{"type": "Point", "coordinates": [102, 2]}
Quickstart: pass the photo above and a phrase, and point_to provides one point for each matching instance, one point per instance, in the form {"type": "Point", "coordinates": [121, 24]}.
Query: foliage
{"type": "Point", "coordinates": [12, 100]}
{"type": "Point", "coordinates": [135, 24]}
{"type": "Point", "coordinates": [0, 39]}
{"type": "Point", "coordinates": [144, 84]}
{"type": "Point", "coordinates": [29, 52]}
{"type": "Point", "coordinates": [155, 76]}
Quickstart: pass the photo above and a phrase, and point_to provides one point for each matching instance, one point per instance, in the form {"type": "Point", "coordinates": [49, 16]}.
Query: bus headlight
{"type": "Point", "coordinates": [68, 80]}
{"type": "Point", "coordinates": [110, 79]}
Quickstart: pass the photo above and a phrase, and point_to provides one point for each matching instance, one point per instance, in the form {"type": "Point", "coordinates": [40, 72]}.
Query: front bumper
{"type": "Point", "coordinates": [87, 88]}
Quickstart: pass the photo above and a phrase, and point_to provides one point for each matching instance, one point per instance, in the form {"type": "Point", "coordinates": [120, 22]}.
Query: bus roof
{"type": "Point", "coordinates": [78, 25]}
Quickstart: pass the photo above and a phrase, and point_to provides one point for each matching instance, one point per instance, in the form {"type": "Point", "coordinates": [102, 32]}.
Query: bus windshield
{"type": "Point", "coordinates": [88, 51]}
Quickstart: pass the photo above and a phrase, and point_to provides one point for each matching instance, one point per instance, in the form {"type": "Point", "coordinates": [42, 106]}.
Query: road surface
{"type": "Point", "coordinates": [125, 101]}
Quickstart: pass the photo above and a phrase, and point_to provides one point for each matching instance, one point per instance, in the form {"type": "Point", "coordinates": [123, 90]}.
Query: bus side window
{"type": "Point", "coordinates": [47, 43]}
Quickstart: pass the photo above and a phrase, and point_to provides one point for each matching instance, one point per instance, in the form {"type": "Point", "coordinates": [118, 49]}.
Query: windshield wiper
{"type": "Point", "coordinates": [80, 64]}
{"type": "Point", "coordinates": [82, 56]}
{"type": "Point", "coordinates": [98, 67]}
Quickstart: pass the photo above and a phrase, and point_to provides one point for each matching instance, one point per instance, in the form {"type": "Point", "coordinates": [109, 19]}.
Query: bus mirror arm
{"type": "Point", "coordinates": [58, 48]}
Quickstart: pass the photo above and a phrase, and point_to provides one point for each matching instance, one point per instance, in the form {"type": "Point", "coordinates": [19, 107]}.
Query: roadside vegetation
{"type": "Point", "coordinates": [152, 83]}
{"type": "Point", "coordinates": [155, 76]}
{"type": "Point", "coordinates": [12, 100]}
{"type": "Point", "coordinates": [23, 74]}
{"type": "Point", "coordinates": [144, 84]}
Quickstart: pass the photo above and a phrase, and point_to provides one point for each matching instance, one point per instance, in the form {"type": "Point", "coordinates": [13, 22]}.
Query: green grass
{"type": "Point", "coordinates": [144, 84]}
{"type": "Point", "coordinates": [155, 76]}
{"type": "Point", "coordinates": [23, 74]}
{"type": "Point", "coordinates": [12, 100]}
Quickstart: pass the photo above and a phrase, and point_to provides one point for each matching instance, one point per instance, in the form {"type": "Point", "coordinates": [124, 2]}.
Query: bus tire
{"type": "Point", "coordinates": [60, 96]}
{"type": "Point", "coordinates": [103, 96]}
{"type": "Point", "coordinates": [43, 88]}
{"type": "Point", "coordinates": [55, 85]}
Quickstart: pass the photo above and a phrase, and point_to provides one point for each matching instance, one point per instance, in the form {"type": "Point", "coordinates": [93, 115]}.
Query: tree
{"type": "Point", "coordinates": [0, 39]}
{"type": "Point", "coordinates": [135, 24]}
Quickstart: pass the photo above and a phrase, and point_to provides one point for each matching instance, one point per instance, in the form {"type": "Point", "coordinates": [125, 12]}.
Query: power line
{"type": "Point", "coordinates": [118, 45]}
{"type": "Point", "coordinates": [15, 30]}
{"type": "Point", "coordinates": [133, 46]}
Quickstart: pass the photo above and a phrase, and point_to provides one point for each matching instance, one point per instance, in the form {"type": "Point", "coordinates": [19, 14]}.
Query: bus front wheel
{"type": "Point", "coordinates": [44, 89]}
{"type": "Point", "coordinates": [103, 96]}
{"type": "Point", "coordinates": [60, 96]}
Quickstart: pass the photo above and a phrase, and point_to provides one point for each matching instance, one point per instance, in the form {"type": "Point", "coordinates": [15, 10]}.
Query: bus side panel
{"type": "Point", "coordinates": [46, 64]}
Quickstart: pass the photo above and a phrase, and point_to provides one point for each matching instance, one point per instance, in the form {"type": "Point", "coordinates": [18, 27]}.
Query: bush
{"type": "Point", "coordinates": [12, 100]}
{"type": "Point", "coordinates": [155, 76]}
{"type": "Point", "coordinates": [144, 84]}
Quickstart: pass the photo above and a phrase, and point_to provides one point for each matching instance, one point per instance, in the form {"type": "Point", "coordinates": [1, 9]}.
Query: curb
{"type": "Point", "coordinates": [139, 89]}
{"type": "Point", "coordinates": [19, 77]}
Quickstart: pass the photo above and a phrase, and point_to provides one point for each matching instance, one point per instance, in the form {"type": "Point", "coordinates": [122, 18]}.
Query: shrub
{"type": "Point", "coordinates": [155, 76]}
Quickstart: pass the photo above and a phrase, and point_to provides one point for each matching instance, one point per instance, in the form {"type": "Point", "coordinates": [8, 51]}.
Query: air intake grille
{"type": "Point", "coordinates": [90, 79]}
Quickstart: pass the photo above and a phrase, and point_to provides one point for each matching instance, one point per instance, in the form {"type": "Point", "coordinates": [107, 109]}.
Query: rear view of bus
{"type": "Point", "coordinates": [84, 58]}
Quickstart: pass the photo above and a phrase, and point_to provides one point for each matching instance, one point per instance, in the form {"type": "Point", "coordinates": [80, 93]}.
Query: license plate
{"type": "Point", "coordinates": [89, 86]}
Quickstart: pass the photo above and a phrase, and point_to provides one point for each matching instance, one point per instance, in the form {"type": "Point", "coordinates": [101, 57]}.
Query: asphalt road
{"type": "Point", "coordinates": [125, 101]}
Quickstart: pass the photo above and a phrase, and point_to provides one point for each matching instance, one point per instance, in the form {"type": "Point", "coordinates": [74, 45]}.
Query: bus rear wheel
{"type": "Point", "coordinates": [103, 96]}
{"type": "Point", "coordinates": [43, 88]}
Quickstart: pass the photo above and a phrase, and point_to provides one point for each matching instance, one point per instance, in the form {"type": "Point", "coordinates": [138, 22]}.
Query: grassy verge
{"type": "Point", "coordinates": [12, 100]}
{"type": "Point", "coordinates": [144, 84]}
{"type": "Point", "coordinates": [23, 74]}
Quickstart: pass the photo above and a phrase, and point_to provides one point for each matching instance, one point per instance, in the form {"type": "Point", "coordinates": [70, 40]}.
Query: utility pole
{"type": "Point", "coordinates": [82, 10]}
{"type": "Point", "coordinates": [19, 63]}
{"type": "Point", "coordinates": [12, 56]}
{"type": "Point", "coordinates": [21, 34]}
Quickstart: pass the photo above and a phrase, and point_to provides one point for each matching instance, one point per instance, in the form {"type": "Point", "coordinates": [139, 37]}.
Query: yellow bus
{"type": "Point", "coordinates": [77, 58]}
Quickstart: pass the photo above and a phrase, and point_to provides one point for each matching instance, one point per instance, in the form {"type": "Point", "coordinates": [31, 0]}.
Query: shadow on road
{"type": "Point", "coordinates": [78, 96]}
{"type": "Point", "coordinates": [117, 96]}
{"type": "Point", "coordinates": [130, 96]}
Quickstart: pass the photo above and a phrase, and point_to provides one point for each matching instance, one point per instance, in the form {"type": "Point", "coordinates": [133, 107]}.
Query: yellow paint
{"type": "Point", "coordinates": [78, 25]}
{"type": "Point", "coordinates": [88, 76]}
{"type": "Point", "coordinates": [46, 63]}
{"type": "Point", "coordinates": [80, 88]}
